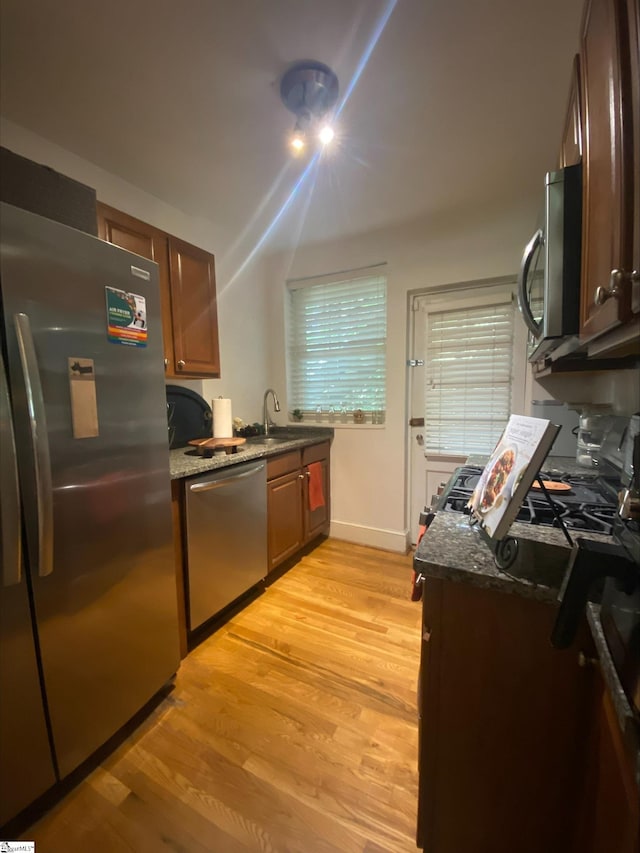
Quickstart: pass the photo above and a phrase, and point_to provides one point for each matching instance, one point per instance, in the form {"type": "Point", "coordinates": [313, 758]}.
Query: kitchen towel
{"type": "Point", "coordinates": [222, 420]}
{"type": "Point", "coordinates": [316, 495]}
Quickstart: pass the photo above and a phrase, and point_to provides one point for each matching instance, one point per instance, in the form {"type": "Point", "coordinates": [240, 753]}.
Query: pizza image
{"type": "Point", "coordinates": [497, 479]}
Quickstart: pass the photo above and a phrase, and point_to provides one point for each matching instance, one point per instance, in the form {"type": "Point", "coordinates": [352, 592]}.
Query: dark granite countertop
{"type": "Point", "coordinates": [182, 464]}
{"type": "Point", "coordinates": [453, 550]}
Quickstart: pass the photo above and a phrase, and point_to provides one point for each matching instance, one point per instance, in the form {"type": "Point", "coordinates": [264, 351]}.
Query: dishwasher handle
{"type": "Point", "coordinates": [216, 484]}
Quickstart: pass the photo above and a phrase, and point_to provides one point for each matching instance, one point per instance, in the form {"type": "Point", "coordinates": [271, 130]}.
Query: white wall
{"type": "Point", "coordinates": [368, 466]}
{"type": "Point", "coordinates": [241, 294]}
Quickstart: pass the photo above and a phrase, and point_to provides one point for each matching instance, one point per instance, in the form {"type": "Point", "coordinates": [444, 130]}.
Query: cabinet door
{"type": "Point", "coordinates": [316, 521]}
{"type": "Point", "coordinates": [195, 316]}
{"type": "Point", "coordinates": [502, 728]}
{"type": "Point", "coordinates": [571, 150]}
{"type": "Point", "coordinates": [148, 242]}
{"type": "Point", "coordinates": [633, 8]}
{"type": "Point", "coordinates": [284, 513]}
{"type": "Point", "coordinates": [609, 816]}
{"type": "Point", "coordinates": [608, 165]}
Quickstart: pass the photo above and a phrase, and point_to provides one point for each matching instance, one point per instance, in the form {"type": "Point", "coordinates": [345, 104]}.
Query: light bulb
{"type": "Point", "coordinates": [297, 143]}
{"type": "Point", "coordinates": [326, 135]}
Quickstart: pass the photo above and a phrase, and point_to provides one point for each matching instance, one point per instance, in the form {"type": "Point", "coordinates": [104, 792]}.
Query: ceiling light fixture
{"type": "Point", "coordinates": [309, 90]}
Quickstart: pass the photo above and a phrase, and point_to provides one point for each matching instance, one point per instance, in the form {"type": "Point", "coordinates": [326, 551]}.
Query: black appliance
{"type": "Point", "coordinates": [189, 416]}
{"type": "Point", "coordinates": [40, 189]}
{"type": "Point", "coordinates": [588, 504]}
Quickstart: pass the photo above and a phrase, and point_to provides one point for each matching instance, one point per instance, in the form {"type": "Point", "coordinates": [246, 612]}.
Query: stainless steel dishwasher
{"type": "Point", "coordinates": [226, 537]}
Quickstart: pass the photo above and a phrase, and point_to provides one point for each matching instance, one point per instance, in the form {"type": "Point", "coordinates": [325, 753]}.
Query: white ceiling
{"type": "Point", "coordinates": [459, 104]}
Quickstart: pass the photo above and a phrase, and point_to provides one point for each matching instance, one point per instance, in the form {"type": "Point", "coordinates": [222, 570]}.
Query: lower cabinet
{"type": "Point", "coordinates": [291, 521]}
{"type": "Point", "coordinates": [609, 817]}
{"type": "Point", "coordinates": [502, 724]}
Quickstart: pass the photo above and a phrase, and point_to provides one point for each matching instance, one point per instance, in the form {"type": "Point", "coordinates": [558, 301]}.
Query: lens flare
{"type": "Point", "coordinates": [326, 134]}
{"type": "Point", "coordinates": [297, 143]}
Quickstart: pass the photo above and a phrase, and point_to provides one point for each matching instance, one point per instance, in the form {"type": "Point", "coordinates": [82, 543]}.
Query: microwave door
{"type": "Point", "coordinates": [531, 284]}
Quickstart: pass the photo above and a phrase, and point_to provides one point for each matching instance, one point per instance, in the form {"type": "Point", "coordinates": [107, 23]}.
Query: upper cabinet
{"type": "Point", "coordinates": [571, 149]}
{"type": "Point", "coordinates": [193, 309]}
{"type": "Point", "coordinates": [611, 219]}
{"type": "Point", "coordinates": [187, 292]}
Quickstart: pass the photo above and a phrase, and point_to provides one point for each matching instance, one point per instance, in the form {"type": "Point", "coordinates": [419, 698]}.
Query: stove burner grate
{"type": "Point", "coordinates": [586, 507]}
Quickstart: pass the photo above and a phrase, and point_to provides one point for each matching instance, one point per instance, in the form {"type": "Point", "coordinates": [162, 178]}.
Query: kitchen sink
{"type": "Point", "coordinates": [278, 438]}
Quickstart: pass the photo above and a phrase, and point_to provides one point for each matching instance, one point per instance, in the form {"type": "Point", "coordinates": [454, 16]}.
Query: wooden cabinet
{"type": "Point", "coordinates": [611, 220]}
{"type": "Point", "coordinates": [193, 310]}
{"type": "Point", "coordinates": [291, 522]}
{"type": "Point", "coordinates": [609, 815]}
{"type": "Point", "coordinates": [315, 521]}
{"type": "Point", "coordinates": [284, 507]}
{"type": "Point", "coordinates": [187, 292]}
{"type": "Point", "coordinates": [502, 726]}
{"type": "Point", "coordinates": [571, 148]}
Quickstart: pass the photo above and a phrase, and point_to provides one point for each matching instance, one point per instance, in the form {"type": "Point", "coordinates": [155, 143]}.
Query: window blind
{"type": "Point", "coordinates": [468, 373]}
{"type": "Point", "coordinates": [336, 354]}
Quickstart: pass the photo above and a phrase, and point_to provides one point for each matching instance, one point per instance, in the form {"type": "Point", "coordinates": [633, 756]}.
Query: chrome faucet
{"type": "Point", "coordinates": [265, 412]}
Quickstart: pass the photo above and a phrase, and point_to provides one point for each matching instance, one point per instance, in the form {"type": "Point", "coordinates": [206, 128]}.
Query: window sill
{"type": "Point", "coordinates": [334, 424]}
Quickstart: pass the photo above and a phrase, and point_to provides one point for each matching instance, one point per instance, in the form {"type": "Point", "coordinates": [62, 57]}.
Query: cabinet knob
{"type": "Point", "coordinates": [585, 661]}
{"type": "Point", "coordinates": [615, 287]}
{"type": "Point", "coordinates": [181, 364]}
{"type": "Point", "coordinates": [301, 476]}
{"type": "Point", "coordinates": [308, 473]}
{"type": "Point", "coordinates": [166, 363]}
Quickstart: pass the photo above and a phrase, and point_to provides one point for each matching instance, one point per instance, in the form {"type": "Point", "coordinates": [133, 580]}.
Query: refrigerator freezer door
{"type": "Point", "coordinates": [26, 764]}
{"type": "Point", "coordinates": [106, 615]}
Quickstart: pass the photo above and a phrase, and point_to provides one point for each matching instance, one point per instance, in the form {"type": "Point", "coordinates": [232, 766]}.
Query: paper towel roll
{"type": "Point", "coordinates": [222, 420]}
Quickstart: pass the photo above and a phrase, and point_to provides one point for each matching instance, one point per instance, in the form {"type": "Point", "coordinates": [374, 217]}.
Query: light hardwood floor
{"type": "Point", "coordinates": [292, 728]}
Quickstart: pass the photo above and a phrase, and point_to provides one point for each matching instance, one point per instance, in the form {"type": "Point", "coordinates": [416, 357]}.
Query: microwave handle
{"type": "Point", "coordinates": [523, 303]}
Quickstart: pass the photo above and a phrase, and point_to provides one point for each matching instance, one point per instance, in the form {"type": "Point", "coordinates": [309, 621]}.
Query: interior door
{"type": "Point", "coordinates": [425, 474]}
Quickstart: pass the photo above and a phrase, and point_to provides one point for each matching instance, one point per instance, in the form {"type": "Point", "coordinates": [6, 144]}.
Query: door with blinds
{"type": "Point", "coordinates": [473, 347]}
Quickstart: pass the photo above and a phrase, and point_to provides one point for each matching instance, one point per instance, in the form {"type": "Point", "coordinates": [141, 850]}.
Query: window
{"type": "Point", "coordinates": [469, 370]}
{"type": "Point", "coordinates": [337, 344]}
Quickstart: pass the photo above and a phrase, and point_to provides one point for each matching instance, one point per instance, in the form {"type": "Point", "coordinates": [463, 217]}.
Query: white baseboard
{"type": "Point", "coordinates": [375, 537]}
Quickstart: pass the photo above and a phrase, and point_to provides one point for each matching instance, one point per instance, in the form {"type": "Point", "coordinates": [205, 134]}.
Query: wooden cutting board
{"type": "Point", "coordinates": [209, 445]}
{"type": "Point", "coordinates": [552, 486]}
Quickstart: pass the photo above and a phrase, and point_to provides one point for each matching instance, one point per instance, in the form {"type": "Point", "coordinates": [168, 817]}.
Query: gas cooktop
{"type": "Point", "coordinates": [589, 502]}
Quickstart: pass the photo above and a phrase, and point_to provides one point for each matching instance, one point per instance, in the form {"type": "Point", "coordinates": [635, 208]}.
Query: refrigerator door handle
{"type": "Point", "coordinates": [10, 541]}
{"type": "Point", "coordinates": [40, 440]}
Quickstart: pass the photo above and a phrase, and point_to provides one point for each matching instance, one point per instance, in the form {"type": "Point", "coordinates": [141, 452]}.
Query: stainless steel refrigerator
{"type": "Point", "coordinates": [88, 611]}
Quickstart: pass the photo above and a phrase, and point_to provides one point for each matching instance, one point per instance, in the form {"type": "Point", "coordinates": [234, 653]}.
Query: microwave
{"type": "Point", "coordinates": [549, 277]}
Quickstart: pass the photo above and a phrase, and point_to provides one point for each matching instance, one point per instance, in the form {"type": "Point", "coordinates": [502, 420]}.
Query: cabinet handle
{"type": "Point", "coordinates": [181, 364]}
{"type": "Point", "coordinates": [586, 662]}
{"type": "Point", "coordinates": [615, 286]}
